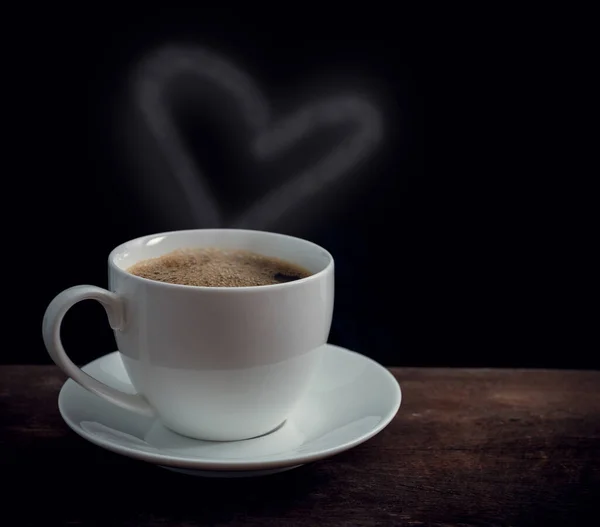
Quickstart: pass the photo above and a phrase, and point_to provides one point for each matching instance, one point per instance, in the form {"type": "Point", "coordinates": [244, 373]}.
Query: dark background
{"type": "Point", "coordinates": [449, 268]}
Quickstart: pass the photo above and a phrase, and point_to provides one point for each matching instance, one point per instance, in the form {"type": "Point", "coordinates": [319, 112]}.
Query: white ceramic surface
{"type": "Point", "coordinates": [348, 400]}
{"type": "Point", "coordinates": [216, 363]}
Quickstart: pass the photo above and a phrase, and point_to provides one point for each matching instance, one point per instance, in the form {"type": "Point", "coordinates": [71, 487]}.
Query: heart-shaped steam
{"type": "Point", "coordinates": [172, 179]}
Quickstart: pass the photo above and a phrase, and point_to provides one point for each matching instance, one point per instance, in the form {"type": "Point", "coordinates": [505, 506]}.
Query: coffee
{"type": "Point", "coordinates": [211, 267]}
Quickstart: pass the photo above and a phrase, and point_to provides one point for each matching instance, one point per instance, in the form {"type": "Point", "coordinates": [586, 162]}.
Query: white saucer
{"type": "Point", "coordinates": [351, 398]}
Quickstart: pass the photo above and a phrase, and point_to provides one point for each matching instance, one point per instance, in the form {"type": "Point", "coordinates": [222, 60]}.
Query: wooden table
{"type": "Point", "coordinates": [468, 447]}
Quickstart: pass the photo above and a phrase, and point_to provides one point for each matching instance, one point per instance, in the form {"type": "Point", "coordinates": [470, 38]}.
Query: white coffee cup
{"type": "Point", "coordinates": [215, 363]}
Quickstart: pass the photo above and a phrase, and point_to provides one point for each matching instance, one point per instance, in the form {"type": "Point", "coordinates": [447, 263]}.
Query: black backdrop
{"type": "Point", "coordinates": [430, 271]}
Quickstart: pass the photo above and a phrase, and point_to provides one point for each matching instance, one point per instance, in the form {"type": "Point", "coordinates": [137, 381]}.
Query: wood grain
{"type": "Point", "coordinates": [468, 447]}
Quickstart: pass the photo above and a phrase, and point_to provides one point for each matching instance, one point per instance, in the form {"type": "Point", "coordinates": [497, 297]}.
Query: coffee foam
{"type": "Point", "coordinates": [211, 267]}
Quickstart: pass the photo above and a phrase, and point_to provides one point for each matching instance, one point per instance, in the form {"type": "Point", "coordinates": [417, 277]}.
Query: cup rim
{"type": "Point", "coordinates": [270, 287]}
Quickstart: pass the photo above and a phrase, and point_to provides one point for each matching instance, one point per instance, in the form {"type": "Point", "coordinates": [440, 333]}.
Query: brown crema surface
{"type": "Point", "coordinates": [210, 267]}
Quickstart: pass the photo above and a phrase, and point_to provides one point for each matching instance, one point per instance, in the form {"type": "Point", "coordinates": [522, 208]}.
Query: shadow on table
{"type": "Point", "coordinates": [85, 483]}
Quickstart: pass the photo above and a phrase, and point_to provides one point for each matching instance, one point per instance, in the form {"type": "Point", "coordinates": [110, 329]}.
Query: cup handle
{"type": "Point", "coordinates": [55, 312]}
